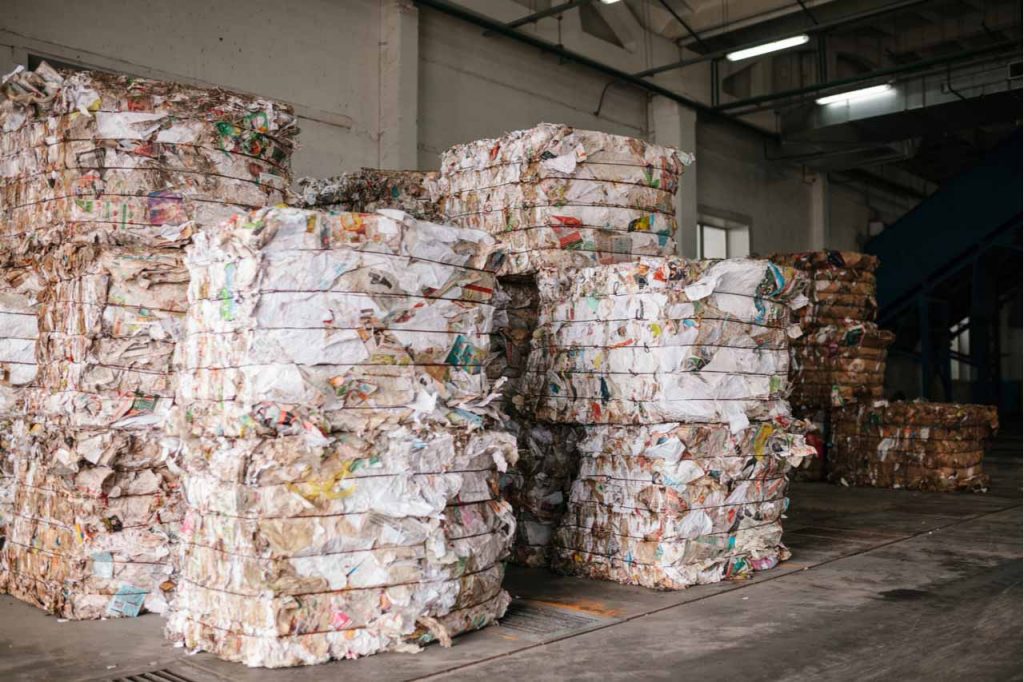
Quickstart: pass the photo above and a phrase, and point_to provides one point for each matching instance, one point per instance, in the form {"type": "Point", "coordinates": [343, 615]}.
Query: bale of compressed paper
{"type": "Point", "coordinates": [677, 370]}
{"type": "Point", "coordinates": [842, 286]}
{"type": "Point", "coordinates": [565, 197]}
{"type": "Point", "coordinates": [370, 189]}
{"type": "Point", "coordinates": [838, 365]}
{"type": "Point", "coordinates": [662, 341]}
{"type": "Point", "coordinates": [561, 197]}
{"type": "Point", "coordinates": [339, 462]}
{"type": "Point", "coordinates": [666, 506]}
{"type": "Point", "coordinates": [914, 445]}
{"type": "Point", "coordinates": [99, 158]}
{"type": "Point", "coordinates": [104, 178]}
{"type": "Point", "coordinates": [19, 289]}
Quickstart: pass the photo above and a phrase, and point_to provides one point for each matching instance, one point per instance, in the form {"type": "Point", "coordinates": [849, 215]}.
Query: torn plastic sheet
{"type": "Point", "coordinates": [369, 189]}
{"type": "Point", "coordinates": [670, 505]}
{"type": "Point", "coordinates": [913, 445]}
{"type": "Point", "coordinates": [338, 461]}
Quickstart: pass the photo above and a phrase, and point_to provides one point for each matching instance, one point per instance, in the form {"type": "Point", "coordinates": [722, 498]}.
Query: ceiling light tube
{"type": "Point", "coordinates": [609, 2]}
{"type": "Point", "coordinates": [773, 46]}
{"type": "Point", "coordinates": [863, 93]}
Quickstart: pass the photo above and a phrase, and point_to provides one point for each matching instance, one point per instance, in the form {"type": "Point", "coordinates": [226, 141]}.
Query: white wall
{"type": "Point", "coordinates": [474, 86]}
{"type": "Point", "coordinates": [334, 61]}
{"type": "Point", "coordinates": [735, 182]}
{"type": "Point", "coordinates": [320, 55]}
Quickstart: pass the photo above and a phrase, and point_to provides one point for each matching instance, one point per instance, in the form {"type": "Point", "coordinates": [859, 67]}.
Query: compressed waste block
{"type": "Point", "coordinates": [338, 444]}
{"type": "Point", "coordinates": [19, 290]}
{"type": "Point", "coordinates": [841, 356]}
{"type": "Point", "coordinates": [671, 505]}
{"type": "Point", "coordinates": [837, 365]}
{"type": "Point", "coordinates": [560, 197]}
{"type": "Point", "coordinates": [370, 189]}
{"type": "Point", "coordinates": [842, 286]}
{"type": "Point", "coordinates": [663, 340]}
{"type": "Point", "coordinates": [913, 445]}
{"type": "Point", "coordinates": [104, 179]}
{"type": "Point", "coordinates": [676, 373]}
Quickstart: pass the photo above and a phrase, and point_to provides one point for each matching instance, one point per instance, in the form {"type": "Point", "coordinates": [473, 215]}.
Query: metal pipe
{"type": "Point", "coordinates": [870, 75]}
{"type": "Point", "coordinates": [489, 24]}
{"type": "Point", "coordinates": [813, 29]}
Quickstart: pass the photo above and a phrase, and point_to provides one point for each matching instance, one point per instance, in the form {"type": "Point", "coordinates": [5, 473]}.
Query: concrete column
{"type": "Point", "coordinates": [674, 125]}
{"type": "Point", "coordinates": [399, 85]}
{"type": "Point", "coordinates": [820, 206]}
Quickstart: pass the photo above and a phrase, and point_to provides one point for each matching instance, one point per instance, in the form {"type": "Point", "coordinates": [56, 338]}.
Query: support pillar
{"type": "Point", "coordinates": [674, 125]}
{"type": "Point", "coordinates": [397, 141]}
{"type": "Point", "coordinates": [820, 206]}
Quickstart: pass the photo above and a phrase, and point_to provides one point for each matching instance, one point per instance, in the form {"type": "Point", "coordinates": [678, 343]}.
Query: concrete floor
{"type": "Point", "coordinates": [882, 585]}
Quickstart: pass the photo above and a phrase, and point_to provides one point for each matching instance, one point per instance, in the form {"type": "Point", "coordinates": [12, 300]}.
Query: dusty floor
{"type": "Point", "coordinates": [882, 585]}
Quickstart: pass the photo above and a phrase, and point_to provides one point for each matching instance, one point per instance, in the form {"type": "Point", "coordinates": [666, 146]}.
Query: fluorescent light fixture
{"type": "Point", "coordinates": [609, 2]}
{"type": "Point", "coordinates": [773, 46]}
{"type": "Point", "coordinates": [863, 93]}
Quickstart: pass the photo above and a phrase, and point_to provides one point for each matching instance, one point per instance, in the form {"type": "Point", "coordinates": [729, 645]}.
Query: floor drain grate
{"type": "Point", "coordinates": [154, 676]}
{"type": "Point", "coordinates": [545, 620]}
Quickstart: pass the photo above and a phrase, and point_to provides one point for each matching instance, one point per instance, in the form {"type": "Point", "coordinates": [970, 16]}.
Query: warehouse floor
{"type": "Point", "coordinates": [882, 585]}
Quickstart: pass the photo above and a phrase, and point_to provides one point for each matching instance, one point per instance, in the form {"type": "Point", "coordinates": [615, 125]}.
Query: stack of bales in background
{"type": "Point", "coordinates": [678, 370]}
{"type": "Point", "coordinates": [340, 469]}
{"type": "Point", "coordinates": [914, 445]}
{"type": "Point", "coordinates": [105, 179]}
{"type": "Point", "coordinates": [369, 189]}
{"type": "Point", "coordinates": [840, 357]}
{"type": "Point", "coordinates": [564, 198]}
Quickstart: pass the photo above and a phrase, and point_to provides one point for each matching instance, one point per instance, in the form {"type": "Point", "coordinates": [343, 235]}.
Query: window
{"type": "Point", "coordinates": [720, 238]}
{"type": "Point", "coordinates": [960, 350]}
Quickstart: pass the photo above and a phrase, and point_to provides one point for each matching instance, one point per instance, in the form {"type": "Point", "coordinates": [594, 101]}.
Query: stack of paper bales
{"type": "Point", "coordinates": [841, 356]}
{"type": "Point", "coordinates": [565, 198]}
{"type": "Point", "coordinates": [678, 369]}
{"type": "Point", "coordinates": [914, 445]}
{"type": "Point", "coordinates": [340, 471]}
{"type": "Point", "coordinates": [105, 178]}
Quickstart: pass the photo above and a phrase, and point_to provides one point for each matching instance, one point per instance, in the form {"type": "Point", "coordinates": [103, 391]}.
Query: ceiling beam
{"type": "Point", "coordinates": [493, 26]}
{"type": "Point", "coordinates": [544, 13]}
{"type": "Point", "coordinates": [819, 28]}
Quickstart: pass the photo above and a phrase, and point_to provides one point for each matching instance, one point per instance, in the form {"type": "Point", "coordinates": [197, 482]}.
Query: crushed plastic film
{"type": "Point", "coordinates": [339, 458]}
{"type": "Point", "coordinates": [104, 179]}
{"type": "Point", "coordinates": [370, 189]}
{"type": "Point", "coordinates": [913, 445]}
